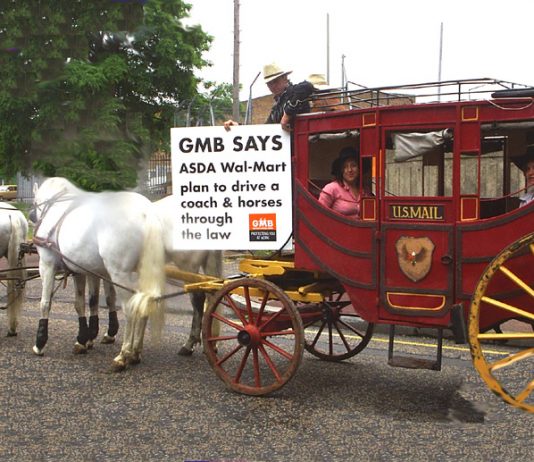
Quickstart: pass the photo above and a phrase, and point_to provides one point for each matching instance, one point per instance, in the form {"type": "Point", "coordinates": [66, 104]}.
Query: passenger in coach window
{"type": "Point", "coordinates": [527, 165]}
{"type": "Point", "coordinates": [289, 99]}
{"type": "Point", "coordinates": [343, 194]}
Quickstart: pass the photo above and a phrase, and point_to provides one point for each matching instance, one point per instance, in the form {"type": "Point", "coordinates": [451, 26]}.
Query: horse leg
{"type": "Point", "coordinates": [213, 266]}
{"type": "Point", "coordinates": [15, 295]}
{"type": "Point", "coordinates": [16, 284]}
{"type": "Point", "coordinates": [138, 338]}
{"type": "Point", "coordinates": [47, 273]}
{"type": "Point", "coordinates": [216, 324]}
{"type": "Point", "coordinates": [111, 302]}
{"type": "Point", "coordinates": [197, 301]}
{"type": "Point", "coordinates": [82, 340]}
{"type": "Point", "coordinates": [94, 293]}
{"type": "Point", "coordinates": [137, 310]}
{"type": "Point", "coordinates": [13, 308]}
{"type": "Point", "coordinates": [142, 307]}
{"type": "Point", "coordinates": [120, 361]}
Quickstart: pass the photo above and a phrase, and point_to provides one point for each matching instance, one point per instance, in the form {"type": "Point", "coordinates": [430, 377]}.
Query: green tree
{"type": "Point", "coordinates": [211, 106]}
{"type": "Point", "coordinates": [89, 89]}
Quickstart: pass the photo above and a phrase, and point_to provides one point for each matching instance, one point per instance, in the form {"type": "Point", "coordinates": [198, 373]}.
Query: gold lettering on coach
{"type": "Point", "coordinates": [416, 212]}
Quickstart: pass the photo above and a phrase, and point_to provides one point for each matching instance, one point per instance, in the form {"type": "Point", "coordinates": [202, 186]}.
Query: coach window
{"type": "Point", "coordinates": [500, 181]}
{"type": "Point", "coordinates": [419, 163]}
{"type": "Point", "coordinates": [323, 149]}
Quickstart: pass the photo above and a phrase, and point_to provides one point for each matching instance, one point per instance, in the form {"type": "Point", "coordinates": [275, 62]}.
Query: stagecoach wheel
{"type": "Point", "coordinates": [260, 343]}
{"type": "Point", "coordinates": [506, 290]}
{"type": "Point", "coordinates": [339, 333]}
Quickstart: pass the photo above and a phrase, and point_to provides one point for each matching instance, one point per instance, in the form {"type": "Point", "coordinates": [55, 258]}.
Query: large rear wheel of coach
{"type": "Point", "coordinates": [260, 343]}
{"type": "Point", "coordinates": [504, 295]}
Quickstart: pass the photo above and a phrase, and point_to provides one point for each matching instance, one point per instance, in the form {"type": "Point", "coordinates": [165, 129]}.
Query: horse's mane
{"type": "Point", "coordinates": [61, 183]}
{"type": "Point", "coordinates": [57, 187]}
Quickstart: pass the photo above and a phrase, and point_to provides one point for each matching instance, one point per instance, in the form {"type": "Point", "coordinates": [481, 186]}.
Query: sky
{"type": "Point", "coordinates": [384, 42]}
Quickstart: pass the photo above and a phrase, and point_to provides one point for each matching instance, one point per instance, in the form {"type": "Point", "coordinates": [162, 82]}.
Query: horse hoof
{"type": "Point", "coordinates": [11, 333]}
{"type": "Point", "coordinates": [37, 351]}
{"type": "Point", "coordinates": [134, 360]}
{"type": "Point", "coordinates": [79, 349]}
{"type": "Point", "coordinates": [90, 345]}
{"type": "Point", "coordinates": [184, 351]}
{"type": "Point", "coordinates": [107, 340]}
{"type": "Point", "coordinates": [118, 366]}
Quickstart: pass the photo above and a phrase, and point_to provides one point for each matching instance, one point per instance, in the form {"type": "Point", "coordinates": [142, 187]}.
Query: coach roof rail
{"type": "Point", "coordinates": [429, 92]}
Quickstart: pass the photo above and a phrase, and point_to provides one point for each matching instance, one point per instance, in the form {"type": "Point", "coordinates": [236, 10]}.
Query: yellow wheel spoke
{"type": "Point", "coordinates": [513, 277]}
{"type": "Point", "coordinates": [507, 307]}
{"type": "Point", "coordinates": [521, 397]}
{"type": "Point", "coordinates": [509, 360]}
{"type": "Point", "coordinates": [508, 376]}
{"type": "Point", "coordinates": [507, 336]}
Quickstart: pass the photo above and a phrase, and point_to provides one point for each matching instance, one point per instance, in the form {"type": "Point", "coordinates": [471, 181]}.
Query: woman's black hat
{"type": "Point", "coordinates": [346, 153]}
{"type": "Point", "coordinates": [522, 161]}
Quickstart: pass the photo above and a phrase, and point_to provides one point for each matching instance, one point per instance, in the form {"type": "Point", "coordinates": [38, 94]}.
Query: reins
{"type": "Point", "coordinates": [54, 248]}
{"type": "Point", "coordinates": [104, 278]}
{"type": "Point", "coordinates": [52, 244]}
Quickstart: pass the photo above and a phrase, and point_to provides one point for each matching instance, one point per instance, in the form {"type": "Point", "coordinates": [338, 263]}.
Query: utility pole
{"type": "Point", "coordinates": [235, 88]}
{"type": "Point", "coordinates": [328, 47]}
{"type": "Point", "coordinates": [440, 58]}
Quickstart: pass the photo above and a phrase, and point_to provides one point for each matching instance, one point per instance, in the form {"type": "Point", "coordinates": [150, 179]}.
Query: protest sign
{"type": "Point", "coordinates": [232, 189]}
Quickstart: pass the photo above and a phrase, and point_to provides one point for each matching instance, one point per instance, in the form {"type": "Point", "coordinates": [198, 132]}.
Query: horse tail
{"type": "Point", "coordinates": [147, 302]}
{"type": "Point", "coordinates": [17, 277]}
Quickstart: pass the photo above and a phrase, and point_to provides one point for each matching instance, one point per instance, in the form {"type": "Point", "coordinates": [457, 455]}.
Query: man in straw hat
{"type": "Point", "coordinates": [326, 98]}
{"type": "Point", "coordinates": [527, 165]}
{"type": "Point", "coordinates": [289, 99]}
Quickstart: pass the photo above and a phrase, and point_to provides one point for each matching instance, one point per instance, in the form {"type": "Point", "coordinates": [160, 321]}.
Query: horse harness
{"type": "Point", "coordinates": [51, 242]}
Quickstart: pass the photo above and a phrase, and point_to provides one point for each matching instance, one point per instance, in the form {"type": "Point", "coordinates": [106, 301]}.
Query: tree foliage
{"type": "Point", "coordinates": [211, 106]}
{"type": "Point", "coordinates": [89, 89]}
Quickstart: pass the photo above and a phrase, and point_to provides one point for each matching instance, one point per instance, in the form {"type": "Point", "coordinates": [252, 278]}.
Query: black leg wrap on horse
{"type": "Point", "coordinates": [93, 301]}
{"type": "Point", "coordinates": [93, 327]}
{"type": "Point", "coordinates": [42, 334]}
{"type": "Point", "coordinates": [83, 331]}
{"type": "Point", "coordinates": [113, 326]}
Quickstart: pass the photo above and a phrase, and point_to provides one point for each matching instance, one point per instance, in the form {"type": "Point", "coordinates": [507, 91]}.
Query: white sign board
{"type": "Point", "coordinates": [232, 189]}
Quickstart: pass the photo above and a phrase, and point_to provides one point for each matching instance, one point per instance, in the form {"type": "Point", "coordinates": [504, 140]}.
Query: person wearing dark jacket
{"type": "Point", "coordinates": [289, 99]}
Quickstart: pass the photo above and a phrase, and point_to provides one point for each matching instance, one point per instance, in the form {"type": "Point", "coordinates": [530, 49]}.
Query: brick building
{"type": "Point", "coordinates": [335, 100]}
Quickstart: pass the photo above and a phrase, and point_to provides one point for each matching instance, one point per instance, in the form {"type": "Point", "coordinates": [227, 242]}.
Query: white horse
{"type": "Point", "coordinates": [13, 232]}
{"type": "Point", "coordinates": [115, 236]}
{"type": "Point", "coordinates": [208, 261]}
{"type": "Point", "coordinates": [87, 332]}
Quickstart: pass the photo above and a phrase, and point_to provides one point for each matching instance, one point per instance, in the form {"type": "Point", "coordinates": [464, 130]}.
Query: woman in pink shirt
{"type": "Point", "coordinates": [343, 195]}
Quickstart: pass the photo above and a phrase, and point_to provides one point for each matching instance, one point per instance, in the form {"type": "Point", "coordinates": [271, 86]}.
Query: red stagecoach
{"type": "Point", "coordinates": [441, 241]}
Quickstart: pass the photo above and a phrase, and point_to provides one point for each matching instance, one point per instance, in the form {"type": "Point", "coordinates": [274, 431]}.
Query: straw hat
{"type": "Point", "coordinates": [273, 71]}
{"type": "Point", "coordinates": [318, 81]}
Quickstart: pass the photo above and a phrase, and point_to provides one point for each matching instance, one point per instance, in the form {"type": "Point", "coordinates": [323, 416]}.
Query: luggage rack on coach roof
{"type": "Point", "coordinates": [361, 97]}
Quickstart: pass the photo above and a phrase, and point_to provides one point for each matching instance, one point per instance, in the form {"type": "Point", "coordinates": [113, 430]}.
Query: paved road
{"type": "Point", "coordinates": [65, 407]}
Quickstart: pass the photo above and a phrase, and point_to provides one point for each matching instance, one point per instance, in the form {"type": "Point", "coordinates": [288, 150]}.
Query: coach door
{"type": "Point", "coordinates": [417, 216]}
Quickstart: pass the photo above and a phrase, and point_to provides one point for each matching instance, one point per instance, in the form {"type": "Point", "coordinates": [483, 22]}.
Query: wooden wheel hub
{"type": "Point", "coordinates": [249, 336]}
